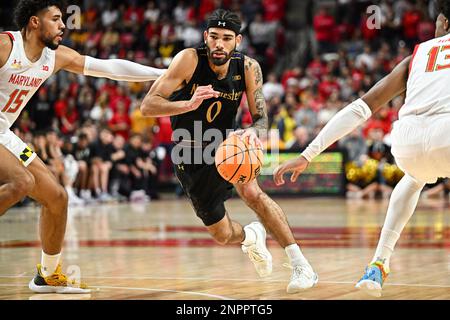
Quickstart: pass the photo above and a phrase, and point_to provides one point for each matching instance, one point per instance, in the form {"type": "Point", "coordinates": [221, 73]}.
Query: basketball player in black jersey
{"type": "Point", "coordinates": [203, 87]}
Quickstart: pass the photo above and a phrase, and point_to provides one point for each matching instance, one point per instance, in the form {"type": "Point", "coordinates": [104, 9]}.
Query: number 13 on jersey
{"type": "Point", "coordinates": [433, 56]}
{"type": "Point", "coordinates": [15, 101]}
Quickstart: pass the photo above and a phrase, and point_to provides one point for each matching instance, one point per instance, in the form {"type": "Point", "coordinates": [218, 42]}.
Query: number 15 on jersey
{"type": "Point", "coordinates": [15, 101]}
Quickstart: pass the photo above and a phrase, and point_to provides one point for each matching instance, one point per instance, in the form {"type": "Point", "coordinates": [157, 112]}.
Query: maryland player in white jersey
{"type": "Point", "coordinates": [27, 58]}
{"type": "Point", "coordinates": [420, 138]}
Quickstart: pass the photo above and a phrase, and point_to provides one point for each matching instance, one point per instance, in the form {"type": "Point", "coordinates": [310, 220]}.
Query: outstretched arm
{"type": "Point", "coordinates": [348, 119]}
{"type": "Point", "coordinates": [115, 69]}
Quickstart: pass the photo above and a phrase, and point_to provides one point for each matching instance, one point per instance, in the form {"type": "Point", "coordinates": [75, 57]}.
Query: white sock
{"type": "Point", "coordinates": [250, 236]}
{"type": "Point", "coordinates": [49, 263]}
{"type": "Point", "coordinates": [402, 204]}
{"type": "Point", "coordinates": [385, 248]}
{"type": "Point", "coordinates": [295, 255]}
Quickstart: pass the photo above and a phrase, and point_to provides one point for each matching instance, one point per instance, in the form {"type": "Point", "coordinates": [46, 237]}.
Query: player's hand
{"type": "Point", "coordinates": [248, 135]}
{"type": "Point", "coordinates": [297, 166]}
{"type": "Point", "coordinates": [200, 94]}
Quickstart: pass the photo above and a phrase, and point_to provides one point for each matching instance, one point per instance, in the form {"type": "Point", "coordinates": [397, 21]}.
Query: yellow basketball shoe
{"type": "Point", "coordinates": [58, 282]}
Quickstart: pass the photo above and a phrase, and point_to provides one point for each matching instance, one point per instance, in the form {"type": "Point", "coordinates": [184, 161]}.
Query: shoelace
{"type": "Point", "coordinates": [255, 254]}
{"type": "Point", "coordinates": [298, 270]}
{"type": "Point", "coordinates": [57, 279]}
{"type": "Point", "coordinates": [60, 279]}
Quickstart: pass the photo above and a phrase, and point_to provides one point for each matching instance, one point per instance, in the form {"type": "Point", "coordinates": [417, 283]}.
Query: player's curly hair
{"type": "Point", "coordinates": [25, 9]}
{"type": "Point", "coordinates": [225, 15]}
{"type": "Point", "coordinates": [444, 8]}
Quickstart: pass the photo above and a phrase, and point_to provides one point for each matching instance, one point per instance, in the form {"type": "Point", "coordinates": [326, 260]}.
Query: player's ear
{"type": "Point", "coordinates": [34, 22]}
{"type": "Point", "coordinates": [238, 40]}
{"type": "Point", "coordinates": [205, 35]}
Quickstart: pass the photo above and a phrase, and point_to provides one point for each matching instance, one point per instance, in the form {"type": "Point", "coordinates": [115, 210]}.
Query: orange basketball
{"type": "Point", "coordinates": [238, 162]}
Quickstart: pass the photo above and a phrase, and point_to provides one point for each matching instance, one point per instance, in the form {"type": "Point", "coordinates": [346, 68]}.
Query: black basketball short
{"type": "Point", "coordinates": [206, 189]}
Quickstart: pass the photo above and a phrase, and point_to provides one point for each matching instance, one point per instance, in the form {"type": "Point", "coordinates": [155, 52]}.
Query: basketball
{"type": "Point", "coordinates": [238, 162]}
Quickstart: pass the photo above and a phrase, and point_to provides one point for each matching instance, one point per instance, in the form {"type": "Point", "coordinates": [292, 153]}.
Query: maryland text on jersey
{"type": "Point", "coordinates": [25, 81]}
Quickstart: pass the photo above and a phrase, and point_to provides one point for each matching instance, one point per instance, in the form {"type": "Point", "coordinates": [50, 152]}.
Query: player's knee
{"type": "Point", "coordinates": [222, 236]}
{"type": "Point", "coordinates": [252, 194]}
{"type": "Point", "coordinates": [62, 196]}
{"type": "Point", "coordinates": [22, 186]}
{"type": "Point", "coordinates": [59, 198]}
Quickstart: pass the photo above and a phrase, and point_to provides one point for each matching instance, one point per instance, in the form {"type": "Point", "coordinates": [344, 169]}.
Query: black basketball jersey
{"type": "Point", "coordinates": [218, 113]}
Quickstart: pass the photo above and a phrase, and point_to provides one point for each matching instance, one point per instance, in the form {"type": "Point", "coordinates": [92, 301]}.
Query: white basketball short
{"type": "Point", "coordinates": [421, 146]}
{"type": "Point", "coordinates": [17, 147]}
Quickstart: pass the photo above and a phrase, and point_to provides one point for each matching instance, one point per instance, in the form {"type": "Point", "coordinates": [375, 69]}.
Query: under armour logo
{"type": "Point", "coordinates": [16, 64]}
{"type": "Point", "coordinates": [45, 68]}
{"type": "Point", "coordinates": [221, 23]}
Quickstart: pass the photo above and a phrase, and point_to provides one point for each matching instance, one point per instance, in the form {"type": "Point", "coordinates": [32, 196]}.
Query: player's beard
{"type": "Point", "coordinates": [51, 42]}
{"type": "Point", "coordinates": [216, 61]}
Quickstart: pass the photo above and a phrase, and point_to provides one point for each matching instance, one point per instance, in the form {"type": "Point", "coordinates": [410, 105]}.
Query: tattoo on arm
{"type": "Point", "coordinates": [248, 64]}
{"type": "Point", "coordinates": [260, 118]}
{"type": "Point", "coordinates": [258, 75]}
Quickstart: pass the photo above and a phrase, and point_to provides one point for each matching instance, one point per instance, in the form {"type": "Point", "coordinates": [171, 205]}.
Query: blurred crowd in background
{"type": "Point", "coordinates": [316, 56]}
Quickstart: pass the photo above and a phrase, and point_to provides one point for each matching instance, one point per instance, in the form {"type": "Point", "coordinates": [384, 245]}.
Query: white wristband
{"type": "Point", "coordinates": [344, 122]}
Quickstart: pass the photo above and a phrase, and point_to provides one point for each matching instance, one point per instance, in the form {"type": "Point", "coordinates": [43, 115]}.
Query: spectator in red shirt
{"type": "Point", "coordinates": [120, 122]}
{"type": "Point", "coordinates": [68, 118]}
{"type": "Point", "coordinates": [91, 16]}
{"type": "Point", "coordinates": [369, 31]}
{"type": "Point", "coordinates": [291, 73]}
{"type": "Point", "coordinates": [133, 15]}
{"type": "Point", "coordinates": [153, 29]}
{"type": "Point", "coordinates": [164, 131]}
{"type": "Point", "coordinates": [120, 96]}
{"type": "Point", "coordinates": [316, 67]}
{"type": "Point", "coordinates": [381, 120]}
{"type": "Point", "coordinates": [206, 7]}
{"type": "Point", "coordinates": [410, 22]}
{"type": "Point", "coordinates": [163, 138]}
{"type": "Point", "coordinates": [60, 105]}
{"type": "Point", "coordinates": [274, 10]}
{"type": "Point", "coordinates": [324, 28]}
{"type": "Point", "coordinates": [425, 30]}
{"type": "Point", "coordinates": [110, 87]}
{"type": "Point", "coordinates": [345, 31]}
{"type": "Point", "coordinates": [327, 86]}
{"type": "Point", "coordinates": [74, 85]}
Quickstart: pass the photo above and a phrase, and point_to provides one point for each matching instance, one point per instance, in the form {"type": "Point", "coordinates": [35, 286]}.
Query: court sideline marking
{"type": "Point", "coordinates": [140, 289]}
{"type": "Point", "coordinates": [230, 280]}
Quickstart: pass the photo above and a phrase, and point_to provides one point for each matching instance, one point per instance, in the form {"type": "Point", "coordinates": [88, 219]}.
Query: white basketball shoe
{"type": "Point", "coordinates": [303, 277]}
{"type": "Point", "coordinates": [257, 252]}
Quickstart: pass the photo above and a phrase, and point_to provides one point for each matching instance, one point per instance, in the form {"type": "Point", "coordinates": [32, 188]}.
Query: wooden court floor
{"type": "Point", "coordinates": [160, 250]}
